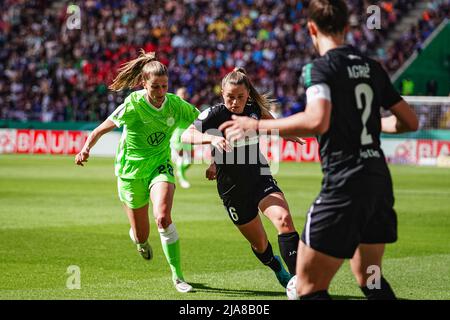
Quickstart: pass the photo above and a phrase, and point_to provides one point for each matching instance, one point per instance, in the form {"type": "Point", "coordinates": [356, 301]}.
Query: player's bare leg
{"type": "Point", "coordinates": [275, 207]}
{"type": "Point", "coordinates": [366, 257]}
{"type": "Point", "coordinates": [140, 229]}
{"type": "Point", "coordinates": [254, 232]}
{"type": "Point", "coordinates": [314, 272]}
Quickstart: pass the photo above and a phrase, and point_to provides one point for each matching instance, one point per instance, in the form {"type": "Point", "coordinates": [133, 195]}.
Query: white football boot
{"type": "Point", "coordinates": [182, 286]}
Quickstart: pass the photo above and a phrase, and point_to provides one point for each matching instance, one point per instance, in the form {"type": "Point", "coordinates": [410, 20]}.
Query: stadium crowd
{"type": "Point", "coordinates": [414, 39]}
{"type": "Point", "coordinates": [51, 71]}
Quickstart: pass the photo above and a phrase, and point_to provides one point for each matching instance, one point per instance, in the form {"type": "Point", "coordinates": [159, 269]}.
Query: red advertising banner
{"type": "Point", "coordinates": [288, 151]}
{"type": "Point", "coordinates": [432, 149]}
{"type": "Point", "coordinates": [26, 141]}
{"type": "Point", "coordinates": [276, 149]}
{"type": "Point", "coordinates": [57, 141]}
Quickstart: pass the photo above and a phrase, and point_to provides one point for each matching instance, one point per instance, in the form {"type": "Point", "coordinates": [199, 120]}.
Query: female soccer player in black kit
{"type": "Point", "coordinates": [353, 216]}
{"type": "Point", "coordinates": [244, 182]}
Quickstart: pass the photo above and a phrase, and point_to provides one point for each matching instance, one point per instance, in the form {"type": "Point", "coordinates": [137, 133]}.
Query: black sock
{"type": "Point", "coordinates": [288, 243]}
{"type": "Point", "coordinates": [384, 293]}
{"type": "Point", "coordinates": [268, 259]}
{"type": "Point", "coordinates": [318, 295]}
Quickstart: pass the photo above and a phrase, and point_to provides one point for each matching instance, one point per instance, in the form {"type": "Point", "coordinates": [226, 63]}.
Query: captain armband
{"type": "Point", "coordinates": [318, 91]}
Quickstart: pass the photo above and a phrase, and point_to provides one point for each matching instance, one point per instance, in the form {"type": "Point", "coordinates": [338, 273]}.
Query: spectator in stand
{"type": "Point", "coordinates": [432, 87]}
{"type": "Point", "coordinates": [51, 73]}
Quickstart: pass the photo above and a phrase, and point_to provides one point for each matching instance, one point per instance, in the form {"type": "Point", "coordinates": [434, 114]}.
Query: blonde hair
{"type": "Point", "coordinates": [134, 72]}
{"type": "Point", "coordinates": [239, 76]}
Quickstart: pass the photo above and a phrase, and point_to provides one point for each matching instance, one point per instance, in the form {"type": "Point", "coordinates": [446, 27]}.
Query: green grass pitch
{"type": "Point", "coordinates": [54, 214]}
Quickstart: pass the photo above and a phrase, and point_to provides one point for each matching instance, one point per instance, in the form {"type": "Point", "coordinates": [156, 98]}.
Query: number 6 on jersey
{"type": "Point", "coordinates": [233, 213]}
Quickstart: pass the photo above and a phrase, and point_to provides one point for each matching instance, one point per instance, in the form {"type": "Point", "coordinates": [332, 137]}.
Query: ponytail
{"type": "Point", "coordinates": [239, 76]}
{"type": "Point", "coordinates": [132, 73]}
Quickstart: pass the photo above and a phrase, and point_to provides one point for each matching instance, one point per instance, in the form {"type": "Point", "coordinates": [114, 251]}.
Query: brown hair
{"type": "Point", "coordinates": [239, 76]}
{"type": "Point", "coordinates": [133, 72]}
{"type": "Point", "coordinates": [330, 16]}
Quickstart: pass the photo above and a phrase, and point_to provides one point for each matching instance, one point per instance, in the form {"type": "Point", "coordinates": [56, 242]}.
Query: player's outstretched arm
{"type": "Point", "coordinates": [403, 119]}
{"type": "Point", "coordinates": [295, 139]}
{"type": "Point", "coordinates": [92, 139]}
{"type": "Point", "coordinates": [315, 120]}
{"type": "Point", "coordinates": [192, 136]}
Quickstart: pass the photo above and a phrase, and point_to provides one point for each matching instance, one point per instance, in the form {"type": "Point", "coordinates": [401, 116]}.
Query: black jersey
{"type": "Point", "coordinates": [244, 164]}
{"type": "Point", "coordinates": [350, 150]}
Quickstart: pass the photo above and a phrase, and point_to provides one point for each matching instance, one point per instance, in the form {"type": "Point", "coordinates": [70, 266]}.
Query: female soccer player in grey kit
{"type": "Point", "coordinates": [353, 216]}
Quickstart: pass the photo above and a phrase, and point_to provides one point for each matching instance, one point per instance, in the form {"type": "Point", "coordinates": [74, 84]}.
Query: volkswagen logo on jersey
{"type": "Point", "coordinates": [156, 138]}
{"type": "Point", "coordinates": [254, 116]}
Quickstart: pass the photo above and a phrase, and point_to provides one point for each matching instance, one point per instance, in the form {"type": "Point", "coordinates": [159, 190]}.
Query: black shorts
{"type": "Point", "coordinates": [241, 202]}
{"type": "Point", "coordinates": [336, 225]}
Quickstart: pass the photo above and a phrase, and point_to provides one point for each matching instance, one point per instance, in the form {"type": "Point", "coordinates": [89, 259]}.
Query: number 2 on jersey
{"type": "Point", "coordinates": [365, 90]}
